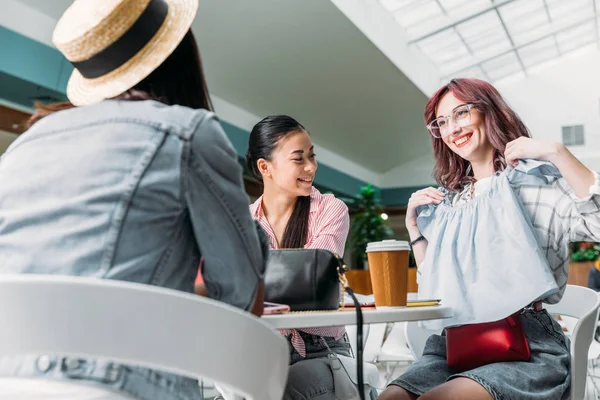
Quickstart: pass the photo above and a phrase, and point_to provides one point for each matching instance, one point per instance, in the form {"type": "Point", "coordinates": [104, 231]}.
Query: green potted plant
{"type": "Point", "coordinates": [367, 225]}
{"type": "Point", "coordinates": [584, 251]}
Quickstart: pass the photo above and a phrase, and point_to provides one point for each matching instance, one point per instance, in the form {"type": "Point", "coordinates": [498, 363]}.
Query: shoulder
{"type": "Point", "coordinates": [557, 194]}
{"type": "Point", "coordinates": [327, 205]}
{"type": "Point", "coordinates": [177, 120]}
{"type": "Point", "coordinates": [256, 208]}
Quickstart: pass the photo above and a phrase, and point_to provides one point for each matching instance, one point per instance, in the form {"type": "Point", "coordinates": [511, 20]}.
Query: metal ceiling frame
{"type": "Point", "coordinates": [514, 48]}
{"type": "Point", "coordinates": [525, 44]}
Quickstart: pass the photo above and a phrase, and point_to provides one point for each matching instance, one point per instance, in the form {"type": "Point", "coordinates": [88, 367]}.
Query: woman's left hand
{"type": "Point", "coordinates": [525, 147]}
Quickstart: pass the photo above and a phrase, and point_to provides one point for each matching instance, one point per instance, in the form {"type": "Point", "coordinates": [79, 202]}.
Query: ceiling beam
{"type": "Point", "coordinates": [493, 7]}
{"type": "Point", "coordinates": [516, 48]}
{"type": "Point", "coordinates": [596, 22]}
{"type": "Point", "coordinates": [549, 16]}
{"type": "Point", "coordinates": [512, 42]}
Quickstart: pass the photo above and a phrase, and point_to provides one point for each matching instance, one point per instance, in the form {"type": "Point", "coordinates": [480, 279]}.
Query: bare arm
{"type": "Point", "coordinates": [420, 248]}
{"type": "Point", "coordinates": [577, 175]}
{"type": "Point", "coordinates": [421, 197]}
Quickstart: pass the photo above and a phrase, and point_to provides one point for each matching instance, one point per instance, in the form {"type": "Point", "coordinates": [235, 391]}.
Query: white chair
{"type": "Point", "coordinates": [374, 342]}
{"type": "Point", "coordinates": [373, 336]}
{"type": "Point", "coordinates": [142, 325]}
{"type": "Point", "coordinates": [581, 303]}
{"type": "Point", "coordinates": [370, 351]}
{"type": "Point", "coordinates": [395, 350]}
{"type": "Point", "coordinates": [578, 302]}
{"type": "Point", "coordinates": [416, 337]}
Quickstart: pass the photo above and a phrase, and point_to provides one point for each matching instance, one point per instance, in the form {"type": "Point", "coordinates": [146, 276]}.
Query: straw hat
{"type": "Point", "coordinates": [114, 44]}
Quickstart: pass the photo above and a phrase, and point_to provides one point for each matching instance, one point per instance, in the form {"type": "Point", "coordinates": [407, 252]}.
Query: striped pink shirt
{"type": "Point", "coordinates": [328, 225]}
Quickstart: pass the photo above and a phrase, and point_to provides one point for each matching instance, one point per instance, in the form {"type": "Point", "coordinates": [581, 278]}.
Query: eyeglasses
{"type": "Point", "coordinates": [461, 116]}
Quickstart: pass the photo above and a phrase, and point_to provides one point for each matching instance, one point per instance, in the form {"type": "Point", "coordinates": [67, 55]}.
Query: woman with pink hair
{"type": "Point", "coordinates": [476, 136]}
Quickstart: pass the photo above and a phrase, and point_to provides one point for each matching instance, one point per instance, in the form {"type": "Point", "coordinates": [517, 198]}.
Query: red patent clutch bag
{"type": "Point", "coordinates": [471, 346]}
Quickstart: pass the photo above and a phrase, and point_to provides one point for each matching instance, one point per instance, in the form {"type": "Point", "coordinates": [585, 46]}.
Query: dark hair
{"type": "Point", "coordinates": [178, 80]}
{"type": "Point", "coordinates": [502, 125]}
{"type": "Point", "coordinates": [264, 139]}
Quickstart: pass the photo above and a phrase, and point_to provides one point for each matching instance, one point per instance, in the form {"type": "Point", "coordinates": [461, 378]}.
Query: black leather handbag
{"type": "Point", "coordinates": [312, 280]}
{"type": "Point", "coordinates": [304, 279]}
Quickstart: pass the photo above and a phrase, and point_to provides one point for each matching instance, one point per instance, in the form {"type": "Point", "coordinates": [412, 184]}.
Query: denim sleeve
{"type": "Point", "coordinates": [229, 242]}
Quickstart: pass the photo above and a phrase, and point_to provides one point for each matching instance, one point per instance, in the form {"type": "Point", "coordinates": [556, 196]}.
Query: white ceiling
{"type": "Point", "coordinates": [306, 59]}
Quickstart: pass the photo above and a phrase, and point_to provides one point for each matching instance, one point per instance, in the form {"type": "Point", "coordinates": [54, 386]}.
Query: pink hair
{"type": "Point", "coordinates": [502, 125]}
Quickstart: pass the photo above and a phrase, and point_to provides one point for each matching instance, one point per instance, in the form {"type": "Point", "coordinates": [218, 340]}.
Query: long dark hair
{"type": "Point", "coordinates": [264, 139]}
{"type": "Point", "coordinates": [502, 125]}
{"type": "Point", "coordinates": [178, 80]}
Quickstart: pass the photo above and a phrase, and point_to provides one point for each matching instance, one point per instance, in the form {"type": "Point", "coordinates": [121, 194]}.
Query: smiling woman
{"type": "Point", "coordinates": [296, 215]}
{"type": "Point", "coordinates": [475, 124]}
{"type": "Point", "coordinates": [281, 155]}
{"type": "Point", "coordinates": [479, 140]}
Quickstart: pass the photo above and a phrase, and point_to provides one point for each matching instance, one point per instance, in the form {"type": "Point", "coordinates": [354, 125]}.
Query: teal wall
{"type": "Point", "coordinates": [398, 196]}
{"type": "Point", "coordinates": [328, 178]}
{"type": "Point", "coordinates": [33, 61]}
{"type": "Point", "coordinates": [30, 70]}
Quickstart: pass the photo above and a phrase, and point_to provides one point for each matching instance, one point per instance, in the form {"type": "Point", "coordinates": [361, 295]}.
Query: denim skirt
{"type": "Point", "coordinates": [546, 376]}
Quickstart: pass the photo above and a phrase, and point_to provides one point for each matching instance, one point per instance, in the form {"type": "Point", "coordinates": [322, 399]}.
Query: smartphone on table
{"type": "Point", "coordinates": [275, 308]}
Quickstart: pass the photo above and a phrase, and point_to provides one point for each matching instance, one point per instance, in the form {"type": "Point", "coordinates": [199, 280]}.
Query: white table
{"type": "Point", "coordinates": [370, 316]}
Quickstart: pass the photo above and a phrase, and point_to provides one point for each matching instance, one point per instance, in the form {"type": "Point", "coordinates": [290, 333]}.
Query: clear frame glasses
{"type": "Point", "coordinates": [461, 116]}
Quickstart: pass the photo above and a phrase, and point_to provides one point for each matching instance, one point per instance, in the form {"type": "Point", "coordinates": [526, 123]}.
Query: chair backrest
{"type": "Point", "coordinates": [416, 337]}
{"type": "Point", "coordinates": [395, 347]}
{"type": "Point", "coordinates": [581, 303]}
{"type": "Point", "coordinates": [142, 325]}
{"type": "Point", "coordinates": [374, 342]}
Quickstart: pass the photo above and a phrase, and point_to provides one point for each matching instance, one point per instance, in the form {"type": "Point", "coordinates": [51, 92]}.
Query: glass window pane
{"type": "Point", "coordinates": [532, 34]}
{"type": "Point", "coordinates": [502, 66]}
{"type": "Point", "coordinates": [476, 72]}
{"type": "Point", "coordinates": [395, 5]}
{"type": "Point", "coordinates": [569, 11]}
{"type": "Point", "coordinates": [538, 52]}
{"type": "Point", "coordinates": [522, 16]}
{"type": "Point", "coordinates": [481, 46]}
{"type": "Point", "coordinates": [418, 14]}
{"type": "Point", "coordinates": [577, 37]}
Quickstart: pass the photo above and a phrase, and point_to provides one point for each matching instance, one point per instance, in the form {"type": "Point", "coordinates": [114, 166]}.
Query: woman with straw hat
{"type": "Point", "coordinates": [133, 179]}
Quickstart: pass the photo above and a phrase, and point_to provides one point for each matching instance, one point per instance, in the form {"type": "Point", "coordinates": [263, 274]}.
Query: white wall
{"type": "Point", "coordinates": [564, 93]}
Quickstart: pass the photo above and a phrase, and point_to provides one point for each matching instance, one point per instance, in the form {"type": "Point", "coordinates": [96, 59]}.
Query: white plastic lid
{"type": "Point", "coordinates": [388, 245]}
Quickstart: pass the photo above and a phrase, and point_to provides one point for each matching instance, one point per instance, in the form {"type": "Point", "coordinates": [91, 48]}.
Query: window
{"type": "Point", "coordinates": [572, 135]}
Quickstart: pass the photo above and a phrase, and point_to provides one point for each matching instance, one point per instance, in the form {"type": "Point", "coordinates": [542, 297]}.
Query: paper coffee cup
{"type": "Point", "coordinates": [388, 265]}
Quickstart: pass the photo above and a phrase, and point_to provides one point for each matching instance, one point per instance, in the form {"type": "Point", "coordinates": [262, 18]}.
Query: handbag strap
{"type": "Point", "coordinates": [359, 325]}
{"type": "Point", "coordinates": [359, 340]}
{"type": "Point", "coordinates": [359, 343]}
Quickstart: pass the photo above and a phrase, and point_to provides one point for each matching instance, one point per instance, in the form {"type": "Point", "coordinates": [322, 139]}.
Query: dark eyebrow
{"type": "Point", "coordinates": [302, 151]}
{"type": "Point", "coordinates": [452, 112]}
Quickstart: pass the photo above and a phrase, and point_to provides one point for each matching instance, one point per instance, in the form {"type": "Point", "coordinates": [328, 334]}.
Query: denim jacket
{"type": "Point", "coordinates": [135, 191]}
